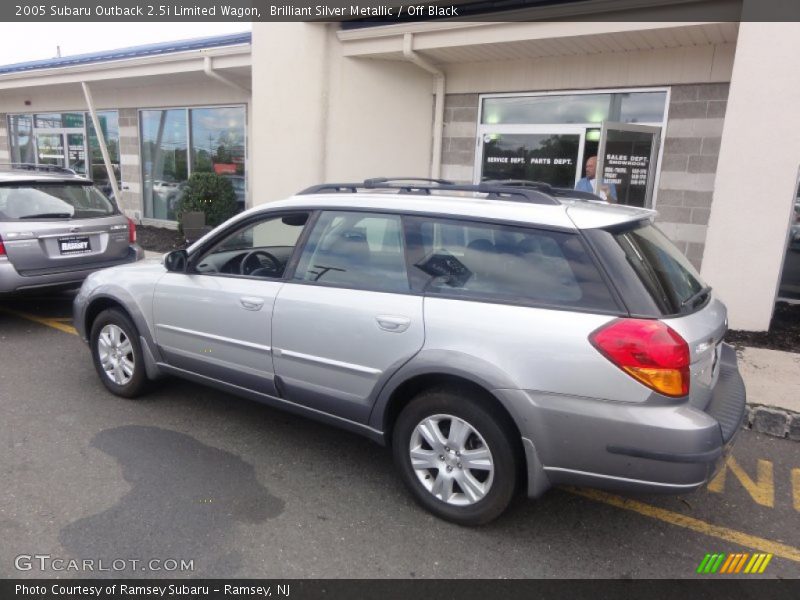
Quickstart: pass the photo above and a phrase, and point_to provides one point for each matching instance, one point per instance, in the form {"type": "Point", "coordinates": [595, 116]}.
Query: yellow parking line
{"type": "Point", "coordinates": [724, 533]}
{"type": "Point", "coordinates": [54, 323]}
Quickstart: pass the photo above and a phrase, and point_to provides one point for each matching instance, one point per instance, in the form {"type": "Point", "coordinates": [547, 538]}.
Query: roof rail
{"type": "Point", "coordinates": [34, 167]}
{"type": "Point", "coordinates": [558, 192]}
{"type": "Point", "coordinates": [492, 191]}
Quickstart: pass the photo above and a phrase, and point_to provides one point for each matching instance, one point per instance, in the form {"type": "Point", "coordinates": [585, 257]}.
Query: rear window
{"type": "Point", "coordinates": [507, 264]}
{"type": "Point", "coordinates": [53, 201]}
{"type": "Point", "coordinates": [669, 277]}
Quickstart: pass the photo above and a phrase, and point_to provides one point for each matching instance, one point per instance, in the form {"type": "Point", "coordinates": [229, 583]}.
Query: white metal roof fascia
{"type": "Point", "coordinates": [239, 56]}
{"type": "Point", "coordinates": [390, 39]}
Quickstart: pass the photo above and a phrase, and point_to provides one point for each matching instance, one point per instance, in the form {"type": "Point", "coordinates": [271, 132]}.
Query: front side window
{"type": "Point", "coordinates": [260, 250]}
{"type": "Point", "coordinates": [507, 264]}
{"type": "Point", "coordinates": [53, 201]}
{"type": "Point", "coordinates": [355, 250]}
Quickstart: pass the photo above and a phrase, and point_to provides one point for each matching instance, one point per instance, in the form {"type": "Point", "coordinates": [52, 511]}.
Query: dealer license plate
{"type": "Point", "coordinates": [74, 245]}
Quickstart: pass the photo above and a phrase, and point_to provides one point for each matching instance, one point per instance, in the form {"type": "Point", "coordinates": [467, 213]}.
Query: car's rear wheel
{"type": "Point", "coordinates": [117, 354]}
{"type": "Point", "coordinates": [456, 458]}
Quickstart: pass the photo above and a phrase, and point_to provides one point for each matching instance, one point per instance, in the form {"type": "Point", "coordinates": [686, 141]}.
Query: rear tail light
{"type": "Point", "coordinates": [649, 351]}
{"type": "Point", "coordinates": [2, 248]}
{"type": "Point", "coordinates": [131, 230]}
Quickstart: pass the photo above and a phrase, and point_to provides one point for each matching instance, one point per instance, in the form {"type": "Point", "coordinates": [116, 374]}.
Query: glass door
{"type": "Point", "coordinates": [76, 152]}
{"type": "Point", "coordinates": [550, 154]}
{"type": "Point", "coordinates": [62, 148]}
{"type": "Point", "coordinates": [50, 149]}
{"type": "Point", "coordinates": [626, 162]}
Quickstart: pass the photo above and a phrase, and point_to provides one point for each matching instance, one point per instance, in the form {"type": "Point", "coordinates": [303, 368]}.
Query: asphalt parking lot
{"type": "Point", "coordinates": [239, 489]}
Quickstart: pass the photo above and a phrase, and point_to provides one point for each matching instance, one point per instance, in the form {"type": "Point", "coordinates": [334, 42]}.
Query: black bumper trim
{"type": "Point", "coordinates": [694, 457]}
{"type": "Point", "coordinates": [728, 400]}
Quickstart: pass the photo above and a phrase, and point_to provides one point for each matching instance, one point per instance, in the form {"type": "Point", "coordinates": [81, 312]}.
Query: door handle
{"type": "Point", "coordinates": [251, 303]}
{"type": "Point", "coordinates": [392, 323]}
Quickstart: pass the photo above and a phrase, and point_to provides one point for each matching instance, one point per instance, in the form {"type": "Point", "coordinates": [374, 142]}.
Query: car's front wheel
{"type": "Point", "coordinates": [117, 354]}
{"type": "Point", "coordinates": [455, 457]}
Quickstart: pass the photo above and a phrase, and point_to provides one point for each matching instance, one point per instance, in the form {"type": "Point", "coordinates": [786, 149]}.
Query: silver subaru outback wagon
{"type": "Point", "coordinates": [496, 337]}
{"type": "Point", "coordinates": [56, 228]}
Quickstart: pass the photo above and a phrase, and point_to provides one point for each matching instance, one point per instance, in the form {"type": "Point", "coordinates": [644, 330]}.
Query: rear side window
{"type": "Point", "coordinates": [506, 264]}
{"type": "Point", "coordinates": [667, 274]}
{"type": "Point", "coordinates": [53, 201]}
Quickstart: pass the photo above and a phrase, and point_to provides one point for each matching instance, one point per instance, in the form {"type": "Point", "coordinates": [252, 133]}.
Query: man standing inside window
{"type": "Point", "coordinates": [607, 191]}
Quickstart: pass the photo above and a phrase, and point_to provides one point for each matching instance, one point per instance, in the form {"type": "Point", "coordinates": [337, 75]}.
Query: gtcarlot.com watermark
{"type": "Point", "coordinates": [49, 563]}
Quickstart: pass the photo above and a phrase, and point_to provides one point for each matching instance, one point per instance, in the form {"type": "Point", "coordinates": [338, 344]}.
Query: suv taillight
{"type": "Point", "coordinates": [2, 248]}
{"type": "Point", "coordinates": [131, 230]}
{"type": "Point", "coordinates": [649, 351]}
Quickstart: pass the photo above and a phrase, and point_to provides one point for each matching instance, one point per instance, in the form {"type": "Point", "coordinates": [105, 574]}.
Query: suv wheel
{"type": "Point", "coordinates": [458, 461]}
{"type": "Point", "coordinates": [117, 354]}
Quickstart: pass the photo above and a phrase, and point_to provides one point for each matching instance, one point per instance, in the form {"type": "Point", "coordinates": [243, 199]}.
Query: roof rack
{"type": "Point", "coordinates": [34, 167]}
{"type": "Point", "coordinates": [492, 191]}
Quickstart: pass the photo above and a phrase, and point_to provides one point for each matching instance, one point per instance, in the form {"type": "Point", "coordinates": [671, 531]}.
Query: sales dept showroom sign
{"type": "Point", "coordinates": [233, 10]}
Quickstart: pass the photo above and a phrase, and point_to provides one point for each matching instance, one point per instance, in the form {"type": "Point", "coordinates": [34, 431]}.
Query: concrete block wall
{"type": "Point", "coordinates": [5, 149]}
{"type": "Point", "coordinates": [131, 166]}
{"type": "Point", "coordinates": [458, 141]}
{"type": "Point", "coordinates": [689, 164]}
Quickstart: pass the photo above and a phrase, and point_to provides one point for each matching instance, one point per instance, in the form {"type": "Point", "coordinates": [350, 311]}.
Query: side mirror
{"type": "Point", "coordinates": [176, 261]}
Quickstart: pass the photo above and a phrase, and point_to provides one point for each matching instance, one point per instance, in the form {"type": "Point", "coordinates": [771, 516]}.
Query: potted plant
{"type": "Point", "coordinates": [208, 200]}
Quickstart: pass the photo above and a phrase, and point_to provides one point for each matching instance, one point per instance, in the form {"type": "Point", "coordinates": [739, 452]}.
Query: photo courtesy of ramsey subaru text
{"type": "Point", "coordinates": [499, 337]}
{"type": "Point", "coordinates": [56, 228]}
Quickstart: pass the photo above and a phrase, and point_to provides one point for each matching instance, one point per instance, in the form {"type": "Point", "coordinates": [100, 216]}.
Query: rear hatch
{"type": "Point", "coordinates": [656, 280]}
{"type": "Point", "coordinates": [59, 226]}
{"type": "Point", "coordinates": [684, 301]}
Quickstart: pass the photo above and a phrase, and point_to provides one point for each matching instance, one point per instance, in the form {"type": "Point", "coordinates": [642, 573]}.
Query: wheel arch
{"type": "Point", "coordinates": [104, 302]}
{"type": "Point", "coordinates": [410, 388]}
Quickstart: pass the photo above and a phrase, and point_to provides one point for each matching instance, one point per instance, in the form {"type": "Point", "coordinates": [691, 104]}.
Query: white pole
{"type": "Point", "coordinates": [102, 141]}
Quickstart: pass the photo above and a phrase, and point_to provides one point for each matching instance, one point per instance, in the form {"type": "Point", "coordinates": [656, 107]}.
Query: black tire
{"type": "Point", "coordinates": [496, 435]}
{"type": "Point", "coordinates": [138, 382]}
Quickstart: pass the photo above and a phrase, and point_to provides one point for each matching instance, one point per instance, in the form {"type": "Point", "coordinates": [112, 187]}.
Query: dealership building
{"type": "Point", "coordinates": [694, 118]}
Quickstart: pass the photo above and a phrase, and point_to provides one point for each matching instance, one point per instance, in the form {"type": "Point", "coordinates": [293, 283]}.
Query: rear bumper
{"type": "Point", "coordinates": [11, 281]}
{"type": "Point", "coordinates": [643, 448]}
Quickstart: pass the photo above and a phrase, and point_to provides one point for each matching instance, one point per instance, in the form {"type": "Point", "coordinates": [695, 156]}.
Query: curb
{"type": "Point", "coordinates": [776, 422]}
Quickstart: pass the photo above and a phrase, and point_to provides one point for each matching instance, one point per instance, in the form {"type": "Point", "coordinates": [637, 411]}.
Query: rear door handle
{"type": "Point", "coordinates": [393, 323]}
{"type": "Point", "coordinates": [251, 303]}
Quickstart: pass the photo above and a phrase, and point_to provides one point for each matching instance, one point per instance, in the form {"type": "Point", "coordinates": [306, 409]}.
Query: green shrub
{"type": "Point", "coordinates": [211, 194]}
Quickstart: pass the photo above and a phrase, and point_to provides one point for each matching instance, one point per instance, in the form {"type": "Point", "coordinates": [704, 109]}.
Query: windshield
{"type": "Point", "coordinates": [666, 273]}
{"type": "Point", "coordinates": [53, 201]}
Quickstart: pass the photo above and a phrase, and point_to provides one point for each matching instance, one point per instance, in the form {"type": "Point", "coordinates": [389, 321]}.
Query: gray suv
{"type": "Point", "coordinates": [56, 228]}
{"type": "Point", "coordinates": [494, 336]}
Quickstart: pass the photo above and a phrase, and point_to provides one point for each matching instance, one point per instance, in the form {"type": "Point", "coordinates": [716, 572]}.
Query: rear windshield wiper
{"type": "Point", "coordinates": [48, 216]}
{"type": "Point", "coordinates": [696, 296]}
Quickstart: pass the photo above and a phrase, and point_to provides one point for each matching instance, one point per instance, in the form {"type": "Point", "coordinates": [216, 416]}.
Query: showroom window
{"type": "Point", "coordinates": [548, 138]}
{"type": "Point", "coordinates": [65, 139]}
{"type": "Point", "coordinates": [177, 142]}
